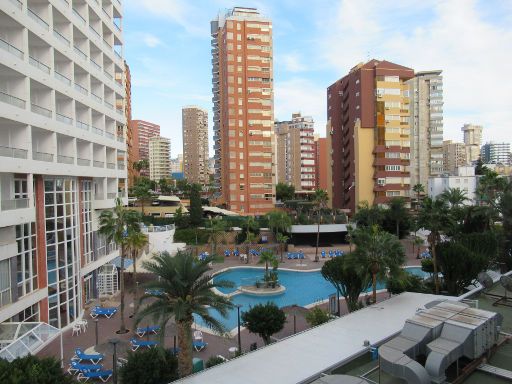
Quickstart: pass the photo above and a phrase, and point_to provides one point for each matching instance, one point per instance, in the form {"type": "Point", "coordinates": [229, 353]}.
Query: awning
{"type": "Point", "coordinates": [117, 262]}
{"type": "Point", "coordinates": [21, 339]}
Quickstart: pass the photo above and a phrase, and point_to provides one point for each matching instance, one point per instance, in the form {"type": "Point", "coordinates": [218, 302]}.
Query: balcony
{"type": "Point", "coordinates": [8, 205]}
{"type": "Point", "coordinates": [80, 53]}
{"type": "Point", "coordinates": [65, 159]}
{"type": "Point", "coordinates": [82, 125]}
{"type": "Point", "coordinates": [97, 98]}
{"type": "Point", "coordinates": [111, 165]}
{"type": "Point", "coordinates": [81, 89]}
{"type": "Point", "coordinates": [11, 49]}
{"type": "Point", "coordinates": [95, 33]}
{"type": "Point", "coordinates": [120, 165]}
{"type": "Point", "coordinates": [97, 131]}
{"type": "Point", "coordinates": [41, 110]}
{"type": "Point", "coordinates": [120, 139]}
{"type": "Point", "coordinates": [60, 37]}
{"type": "Point", "coordinates": [95, 64]}
{"type": "Point", "coordinates": [111, 195]}
{"type": "Point", "coordinates": [110, 135]}
{"type": "Point", "coordinates": [33, 15]}
{"type": "Point", "coordinates": [13, 100]}
{"type": "Point", "coordinates": [108, 105]}
{"type": "Point", "coordinates": [36, 63]}
{"type": "Point", "coordinates": [61, 77]}
{"type": "Point", "coordinates": [17, 3]}
{"type": "Point", "coordinates": [16, 153]}
{"type": "Point", "coordinates": [83, 162]}
{"type": "Point", "coordinates": [78, 16]}
{"type": "Point", "coordinates": [64, 119]}
{"type": "Point", "coordinates": [41, 156]}
{"type": "Point", "coordinates": [98, 164]}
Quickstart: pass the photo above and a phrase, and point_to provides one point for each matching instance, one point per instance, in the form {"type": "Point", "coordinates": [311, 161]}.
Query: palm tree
{"type": "Point", "coordinates": [397, 212]}
{"type": "Point", "coordinates": [419, 189]}
{"type": "Point", "coordinates": [454, 196]}
{"type": "Point", "coordinates": [278, 221]}
{"type": "Point", "coordinates": [250, 238]}
{"type": "Point", "coordinates": [141, 164]}
{"type": "Point", "coordinates": [136, 241]}
{"type": "Point", "coordinates": [217, 226]}
{"type": "Point", "coordinates": [379, 251]}
{"type": "Point", "coordinates": [116, 225]}
{"type": "Point", "coordinates": [434, 216]}
{"type": "Point", "coordinates": [418, 242]}
{"type": "Point", "coordinates": [142, 191]}
{"type": "Point", "coordinates": [320, 199]}
{"type": "Point", "coordinates": [281, 239]}
{"type": "Point", "coordinates": [268, 258]}
{"type": "Point", "coordinates": [350, 236]}
{"type": "Point", "coordinates": [184, 290]}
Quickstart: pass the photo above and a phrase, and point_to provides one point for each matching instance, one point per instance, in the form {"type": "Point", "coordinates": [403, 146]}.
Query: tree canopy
{"type": "Point", "coordinates": [196, 208]}
{"type": "Point", "coordinates": [34, 370]}
{"type": "Point", "coordinates": [149, 366]}
{"type": "Point", "coordinates": [284, 192]}
{"type": "Point", "coordinates": [264, 320]}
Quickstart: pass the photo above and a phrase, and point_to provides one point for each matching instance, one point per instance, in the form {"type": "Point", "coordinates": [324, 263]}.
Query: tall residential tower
{"type": "Point", "coordinates": [63, 153]}
{"type": "Point", "coordinates": [243, 110]}
{"type": "Point", "coordinates": [194, 121]}
{"type": "Point", "coordinates": [473, 141]}
{"type": "Point", "coordinates": [426, 122]}
{"type": "Point", "coordinates": [141, 132]}
{"type": "Point", "coordinates": [159, 158]}
{"type": "Point", "coordinates": [368, 113]}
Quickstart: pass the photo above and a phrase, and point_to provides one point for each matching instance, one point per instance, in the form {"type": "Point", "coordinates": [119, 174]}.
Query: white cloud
{"type": "Point", "coordinates": [292, 62]}
{"type": "Point", "coordinates": [151, 40]}
{"type": "Point", "coordinates": [300, 95]}
{"type": "Point", "coordinates": [473, 52]}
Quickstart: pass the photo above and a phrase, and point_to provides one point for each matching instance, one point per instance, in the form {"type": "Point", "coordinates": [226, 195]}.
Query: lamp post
{"type": "Point", "coordinates": [238, 306]}
{"type": "Point", "coordinates": [96, 330]}
{"type": "Point", "coordinates": [114, 358]}
{"type": "Point", "coordinates": [294, 318]}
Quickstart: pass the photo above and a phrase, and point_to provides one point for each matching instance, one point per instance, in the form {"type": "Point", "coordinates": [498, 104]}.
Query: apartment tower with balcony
{"type": "Point", "coordinates": [243, 111]}
{"type": "Point", "coordinates": [141, 131]}
{"type": "Point", "coordinates": [194, 122]}
{"type": "Point", "coordinates": [472, 141]}
{"type": "Point", "coordinates": [426, 122]}
{"type": "Point", "coordinates": [63, 153]}
{"type": "Point", "coordinates": [159, 158]}
{"type": "Point", "coordinates": [454, 156]}
{"type": "Point", "coordinates": [496, 153]}
{"type": "Point", "coordinates": [368, 117]}
{"type": "Point", "coordinates": [296, 152]}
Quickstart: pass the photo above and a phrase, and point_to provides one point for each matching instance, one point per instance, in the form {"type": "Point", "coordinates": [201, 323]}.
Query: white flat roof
{"type": "Point", "coordinates": [301, 358]}
{"type": "Point", "coordinates": [324, 228]}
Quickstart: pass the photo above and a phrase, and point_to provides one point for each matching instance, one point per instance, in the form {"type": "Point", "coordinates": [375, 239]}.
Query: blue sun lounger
{"type": "Point", "coordinates": [323, 254]}
{"type": "Point", "coordinates": [76, 367]}
{"type": "Point", "coordinates": [136, 344]}
{"type": "Point", "coordinates": [150, 329]}
{"type": "Point", "coordinates": [199, 345]}
{"type": "Point", "coordinates": [101, 311]}
{"type": "Point", "coordinates": [102, 375]}
{"type": "Point", "coordinates": [93, 358]}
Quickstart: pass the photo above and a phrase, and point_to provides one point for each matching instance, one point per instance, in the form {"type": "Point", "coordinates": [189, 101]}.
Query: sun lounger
{"type": "Point", "coordinates": [227, 253]}
{"type": "Point", "coordinates": [236, 253]}
{"type": "Point", "coordinates": [76, 367]}
{"type": "Point", "coordinates": [199, 345]}
{"type": "Point", "coordinates": [331, 254]}
{"type": "Point", "coordinates": [102, 375]}
{"type": "Point", "coordinates": [101, 311]}
{"type": "Point", "coordinates": [153, 292]}
{"type": "Point", "coordinates": [93, 358]}
{"type": "Point", "coordinates": [151, 329]}
{"type": "Point", "coordinates": [323, 254]}
{"type": "Point", "coordinates": [136, 344]}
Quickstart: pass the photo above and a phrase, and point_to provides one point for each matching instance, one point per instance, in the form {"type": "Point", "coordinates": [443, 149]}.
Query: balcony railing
{"type": "Point", "coordinates": [94, 32]}
{"type": "Point", "coordinates": [120, 165]}
{"type": "Point", "coordinates": [97, 131]}
{"type": "Point", "coordinates": [60, 37]}
{"type": "Point", "coordinates": [109, 135]}
{"type": "Point", "coordinates": [13, 100]}
{"type": "Point", "coordinates": [79, 16]}
{"type": "Point", "coordinates": [111, 165]}
{"type": "Point", "coordinates": [40, 110]}
{"type": "Point", "coordinates": [97, 98]}
{"type": "Point", "coordinates": [120, 139]}
{"type": "Point", "coordinates": [11, 204]}
{"type": "Point", "coordinates": [108, 105]}
{"type": "Point", "coordinates": [82, 125]}
{"type": "Point", "coordinates": [36, 63]}
{"type": "Point", "coordinates": [33, 15]}
{"type": "Point", "coordinates": [105, 12]}
{"type": "Point", "coordinates": [95, 64]}
{"type": "Point", "coordinates": [118, 55]}
{"type": "Point", "coordinates": [81, 89]}
{"type": "Point", "coordinates": [17, 3]}
{"type": "Point", "coordinates": [11, 48]}
{"type": "Point", "coordinates": [41, 156]}
{"type": "Point", "coordinates": [108, 75]}
{"type": "Point", "coordinates": [98, 164]}
{"type": "Point", "coordinates": [65, 159]}
{"type": "Point", "coordinates": [111, 195]}
{"type": "Point", "coordinates": [84, 162]}
{"type": "Point", "coordinates": [107, 43]}
{"type": "Point", "coordinates": [62, 78]}
{"type": "Point", "coordinates": [63, 118]}
{"type": "Point", "coordinates": [80, 53]}
{"type": "Point", "coordinates": [16, 153]}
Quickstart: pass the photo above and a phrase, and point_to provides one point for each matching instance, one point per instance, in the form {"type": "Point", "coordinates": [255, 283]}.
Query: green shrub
{"type": "Point", "coordinates": [149, 366]}
{"type": "Point", "coordinates": [214, 360]}
{"type": "Point", "coordinates": [188, 236]}
{"type": "Point", "coordinates": [33, 370]}
{"type": "Point", "coordinates": [317, 316]}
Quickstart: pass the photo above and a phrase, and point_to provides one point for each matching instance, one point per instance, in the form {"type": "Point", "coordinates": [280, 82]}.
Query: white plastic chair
{"type": "Point", "coordinates": [77, 328]}
{"type": "Point", "coordinates": [198, 335]}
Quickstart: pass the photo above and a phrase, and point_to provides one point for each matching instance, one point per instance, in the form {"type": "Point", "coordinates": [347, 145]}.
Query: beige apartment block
{"type": "Point", "coordinates": [426, 122]}
{"type": "Point", "coordinates": [243, 115]}
{"type": "Point", "coordinates": [194, 122]}
{"type": "Point", "coordinates": [296, 160]}
{"type": "Point", "coordinates": [159, 158]}
{"type": "Point", "coordinates": [473, 141]}
{"type": "Point", "coordinates": [454, 156]}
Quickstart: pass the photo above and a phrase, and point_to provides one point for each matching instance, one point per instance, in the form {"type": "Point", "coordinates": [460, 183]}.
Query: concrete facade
{"type": "Point", "coordinates": [63, 153]}
{"type": "Point", "coordinates": [142, 131]}
{"type": "Point", "coordinates": [243, 114]}
{"type": "Point", "coordinates": [465, 179]}
{"type": "Point", "coordinates": [472, 141]}
{"type": "Point", "coordinates": [159, 158]}
{"type": "Point", "coordinates": [454, 156]}
{"type": "Point", "coordinates": [194, 121]}
{"type": "Point", "coordinates": [496, 153]}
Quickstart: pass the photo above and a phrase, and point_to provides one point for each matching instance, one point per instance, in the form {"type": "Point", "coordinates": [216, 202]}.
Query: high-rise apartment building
{"type": "Point", "coordinates": [296, 159]}
{"type": "Point", "coordinates": [322, 163]}
{"type": "Point", "coordinates": [454, 156]}
{"type": "Point", "coordinates": [159, 158]}
{"type": "Point", "coordinates": [368, 113]}
{"type": "Point", "coordinates": [496, 153]}
{"type": "Point", "coordinates": [142, 131]}
{"type": "Point", "coordinates": [243, 110]}
{"type": "Point", "coordinates": [63, 153]}
{"type": "Point", "coordinates": [131, 149]}
{"type": "Point", "coordinates": [473, 141]}
{"type": "Point", "coordinates": [194, 122]}
{"type": "Point", "coordinates": [426, 122]}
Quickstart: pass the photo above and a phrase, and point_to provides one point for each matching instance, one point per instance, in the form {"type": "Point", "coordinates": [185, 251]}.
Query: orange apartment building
{"type": "Point", "coordinates": [243, 111]}
{"type": "Point", "coordinates": [141, 131]}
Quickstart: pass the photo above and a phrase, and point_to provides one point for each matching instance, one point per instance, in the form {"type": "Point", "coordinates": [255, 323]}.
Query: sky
{"type": "Point", "coordinates": [167, 46]}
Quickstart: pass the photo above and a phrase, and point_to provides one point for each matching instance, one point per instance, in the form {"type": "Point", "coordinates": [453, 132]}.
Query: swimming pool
{"type": "Point", "coordinates": [302, 288]}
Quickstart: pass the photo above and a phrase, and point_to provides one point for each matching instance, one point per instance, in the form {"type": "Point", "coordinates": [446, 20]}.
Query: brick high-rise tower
{"type": "Point", "coordinates": [194, 122]}
{"type": "Point", "coordinates": [243, 110]}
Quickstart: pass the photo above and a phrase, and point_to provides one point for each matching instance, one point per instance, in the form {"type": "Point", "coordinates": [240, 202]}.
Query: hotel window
{"type": "Point", "coordinates": [5, 282]}
{"type": "Point", "coordinates": [26, 258]}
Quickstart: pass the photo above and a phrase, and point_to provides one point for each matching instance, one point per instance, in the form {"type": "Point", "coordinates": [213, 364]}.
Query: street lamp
{"type": "Point", "coordinates": [294, 306]}
{"type": "Point", "coordinates": [114, 357]}
{"type": "Point", "coordinates": [96, 330]}
{"type": "Point", "coordinates": [238, 306]}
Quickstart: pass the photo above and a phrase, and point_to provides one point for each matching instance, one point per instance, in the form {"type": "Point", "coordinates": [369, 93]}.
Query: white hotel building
{"type": "Point", "coordinates": [61, 160]}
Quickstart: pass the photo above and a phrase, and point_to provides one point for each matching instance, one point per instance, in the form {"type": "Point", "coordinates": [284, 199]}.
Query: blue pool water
{"type": "Point", "coordinates": [302, 288]}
